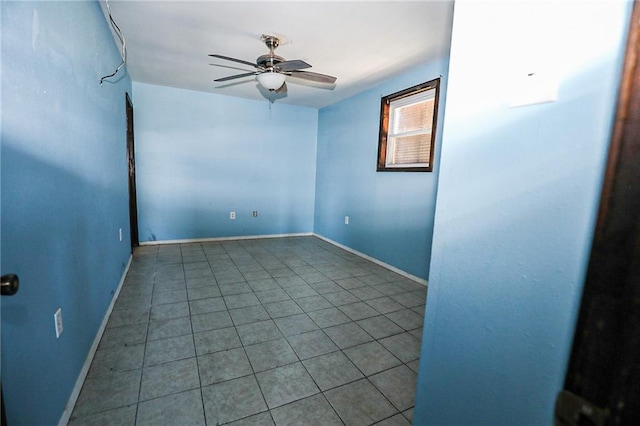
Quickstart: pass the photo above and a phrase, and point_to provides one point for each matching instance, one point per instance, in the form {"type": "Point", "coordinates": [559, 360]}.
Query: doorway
{"type": "Point", "coordinates": [602, 386]}
{"type": "Point", "coordinates": [131, 165]}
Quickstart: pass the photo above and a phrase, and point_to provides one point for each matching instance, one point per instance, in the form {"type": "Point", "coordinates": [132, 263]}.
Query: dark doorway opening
{"type": "Point", "coordinates": [131, 160]}
{"type": "Point", "coordinates": [602, 386]}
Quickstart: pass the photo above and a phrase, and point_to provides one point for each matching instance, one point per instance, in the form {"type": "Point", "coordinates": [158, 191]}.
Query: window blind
{"type": "Point", "coordinates": [410, 134]}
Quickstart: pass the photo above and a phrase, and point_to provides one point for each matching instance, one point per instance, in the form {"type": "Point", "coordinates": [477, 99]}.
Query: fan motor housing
{"type": "Point", "coordinates": [269, 60]}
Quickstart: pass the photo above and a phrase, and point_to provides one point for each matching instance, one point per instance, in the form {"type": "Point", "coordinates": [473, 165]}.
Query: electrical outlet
{"type": "Point", "coordinates": [346, 220]}
{"type": "Point", "coordinates": [232, 215]}
{"type": "Point", "coordinates": [255, 213]}
{"type": "Point", "coordinates": [120, 233]}
{"type": "Point", "coordinates": [57, 317]}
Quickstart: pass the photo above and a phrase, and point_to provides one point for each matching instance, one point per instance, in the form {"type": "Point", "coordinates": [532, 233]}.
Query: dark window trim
{"type": "Point", "coordinates": [384, 125]}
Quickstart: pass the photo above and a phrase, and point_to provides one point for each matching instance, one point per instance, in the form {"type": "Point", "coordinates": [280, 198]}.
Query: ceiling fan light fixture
{"type": "Point", "coordinates": [271, 80]}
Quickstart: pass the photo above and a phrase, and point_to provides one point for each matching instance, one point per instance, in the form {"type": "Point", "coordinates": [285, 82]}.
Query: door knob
{"type": "Point", "coordinates": [9, 284]}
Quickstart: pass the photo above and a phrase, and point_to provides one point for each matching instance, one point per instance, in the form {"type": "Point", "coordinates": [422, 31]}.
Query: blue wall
{"type": "Point", "coordinates": [201, 155]}
{"type": "Point", "coordinates": [64, 197]}
{"type": "Point", "coordinates": [517, 199]}
{"type": "Point", "coordinates": [390, 214]}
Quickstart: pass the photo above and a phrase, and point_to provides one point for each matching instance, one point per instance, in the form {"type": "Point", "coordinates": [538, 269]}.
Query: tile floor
{"type": "Point", "coordinates": [289, 331]}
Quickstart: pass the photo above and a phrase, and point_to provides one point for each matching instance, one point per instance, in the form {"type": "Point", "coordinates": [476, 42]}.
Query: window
{"type": "Point", "coordinates": [407, 129]}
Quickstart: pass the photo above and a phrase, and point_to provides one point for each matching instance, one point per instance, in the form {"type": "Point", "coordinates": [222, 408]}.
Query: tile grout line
{"type": "Point", "coordinates": [193, 339]}
{"type": "Point", "coordinates": [146, 337]}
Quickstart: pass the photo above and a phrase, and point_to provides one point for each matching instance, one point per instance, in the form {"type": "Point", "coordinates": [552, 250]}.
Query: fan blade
{"type": "Point", "coordinates": [314, 76]}
{"type": "Point", "coordinates": [240, 61]}
{"type": "Point", "coordinates": [233, 77]}
{"type": "Point", "coordinates": [292, 65]}
{"type": "Point", "coordinates": [282, 89]}
{"type": "Point", "coordinates": [231, 67]}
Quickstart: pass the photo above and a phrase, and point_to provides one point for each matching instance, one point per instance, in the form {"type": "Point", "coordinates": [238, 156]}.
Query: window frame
{"type": "Point", "coordinates": [385, 105]}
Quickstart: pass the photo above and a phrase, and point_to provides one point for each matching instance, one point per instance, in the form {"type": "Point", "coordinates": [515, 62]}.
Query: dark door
{"type": "Point", "coordinates": [603, 380]}
{"type": "Point", "coordinates": [131, 160]}
{"type": "Point", "coordinates": [9, 285]}
{"type": "Point", "coordinates": [3, 419]}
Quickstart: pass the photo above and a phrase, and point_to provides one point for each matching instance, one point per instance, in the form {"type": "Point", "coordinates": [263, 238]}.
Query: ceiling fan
{"type": "Point", "coordinates": [271, 69]}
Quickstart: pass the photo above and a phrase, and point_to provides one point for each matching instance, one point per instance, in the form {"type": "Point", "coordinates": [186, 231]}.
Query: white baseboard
{"type": "Point", "coordinates": [75, 393]}
{"type": "Point", "coordinates": [374, 260]}
{"type": "Point", "coordinates": [217, 239]}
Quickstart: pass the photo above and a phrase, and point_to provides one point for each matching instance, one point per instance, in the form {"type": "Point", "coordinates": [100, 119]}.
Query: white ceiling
{"type": "Point", "coordinates": [361, 43]}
